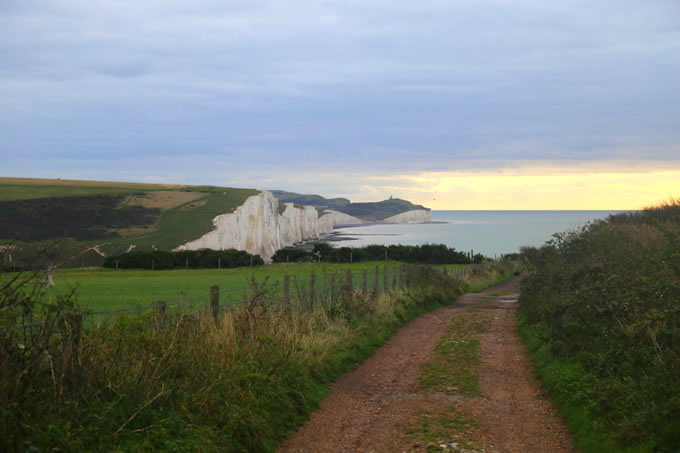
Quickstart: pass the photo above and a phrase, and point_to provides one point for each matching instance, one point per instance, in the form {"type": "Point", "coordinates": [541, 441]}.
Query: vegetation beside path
{"type": "Point", "coordinates": [235, 380]}
{"type": "Point", "coordinates": [600, 313]}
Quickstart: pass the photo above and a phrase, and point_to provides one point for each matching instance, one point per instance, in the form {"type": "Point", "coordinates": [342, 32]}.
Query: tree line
{"type": "Point", "coordinates": [191, 259]}
{"type": "Point", "coordinates": [422, 254]}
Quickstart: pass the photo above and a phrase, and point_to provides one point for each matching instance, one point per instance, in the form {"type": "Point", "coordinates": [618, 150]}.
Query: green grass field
{"type": "Point", "coordinates": [107, 289]}
{"type": "Point", "coordinates": [31, 188]}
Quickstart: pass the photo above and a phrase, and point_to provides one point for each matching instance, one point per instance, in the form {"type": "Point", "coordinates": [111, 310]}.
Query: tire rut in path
{"type": "Point", "coordinates": [369, 409]}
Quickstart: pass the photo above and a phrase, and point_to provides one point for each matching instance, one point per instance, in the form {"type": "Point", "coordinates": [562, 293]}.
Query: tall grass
{"type": "Point", "coordinates": [241, 381]}
{"type": "Point", "coordinates": [601, 314]}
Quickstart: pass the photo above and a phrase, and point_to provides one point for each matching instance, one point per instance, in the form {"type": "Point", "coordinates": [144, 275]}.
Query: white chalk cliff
{"type": "Point", "coordinates": [413, 216]}
{"type": "Point", "coordinates": [258, 228]}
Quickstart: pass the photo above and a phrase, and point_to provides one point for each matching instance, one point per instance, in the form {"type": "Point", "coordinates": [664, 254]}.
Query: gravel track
{"type": "Point", "coordinates": [370, 408]}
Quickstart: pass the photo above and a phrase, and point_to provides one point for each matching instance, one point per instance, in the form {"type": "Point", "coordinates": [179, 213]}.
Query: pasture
{"type": "Point", "coordinates": [31, 188]}
{"type": "Point", "coordinates": [101, 289]}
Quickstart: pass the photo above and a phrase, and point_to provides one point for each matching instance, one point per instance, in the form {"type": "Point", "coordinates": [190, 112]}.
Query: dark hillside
{"type": "Point", "coordinates": [311, 200]}
{"type": "Point", "coordinates": [83, 218]}
{"type": "Point", "coordinates": [146, 216]}
{"type": "Point", "coordinates": [381, 209]}
{"type": "Point", "coordinates": [371, 211]}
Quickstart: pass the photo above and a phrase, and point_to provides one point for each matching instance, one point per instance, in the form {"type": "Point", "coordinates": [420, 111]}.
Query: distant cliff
{"type": "Point", "coordinates": [415, 216]}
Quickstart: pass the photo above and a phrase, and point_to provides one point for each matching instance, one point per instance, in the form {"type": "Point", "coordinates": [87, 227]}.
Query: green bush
{"type": "Point", "coordinates": [607, 299]}
{"type": "Point", "coordinates": [192, 259]}
{"type": "Point", "coordinates": [421, 254]}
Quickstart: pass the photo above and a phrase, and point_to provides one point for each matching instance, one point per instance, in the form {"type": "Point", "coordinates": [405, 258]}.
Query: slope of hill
{"type": "Point", "coordinates": [158, 215]}
{"type": "Point", "coordinates": [370, 211]}
{"type": "Point", "coordinates": [31, 188]}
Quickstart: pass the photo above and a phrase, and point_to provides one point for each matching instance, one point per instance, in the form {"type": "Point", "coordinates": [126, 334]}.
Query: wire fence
{"type": "Point", "coordinates": [307, 292]}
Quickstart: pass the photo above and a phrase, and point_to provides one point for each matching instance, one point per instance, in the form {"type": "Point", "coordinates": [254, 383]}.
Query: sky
{"type": "Point", "coordinates": [454, 104]}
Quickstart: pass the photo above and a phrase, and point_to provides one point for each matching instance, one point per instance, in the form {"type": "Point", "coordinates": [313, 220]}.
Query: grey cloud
{"type": "Point", "coordinates": [399, 85]}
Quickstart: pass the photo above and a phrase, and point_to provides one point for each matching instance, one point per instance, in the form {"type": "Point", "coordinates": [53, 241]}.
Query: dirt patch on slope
{"type": "Point", "coordinates": [371, 408]}
{"type": "Point", "coordinates": [164, 199]}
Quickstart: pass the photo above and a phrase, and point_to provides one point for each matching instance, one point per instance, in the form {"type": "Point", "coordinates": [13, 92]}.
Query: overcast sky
{"type": "Point", "coordinates": [436, 101]}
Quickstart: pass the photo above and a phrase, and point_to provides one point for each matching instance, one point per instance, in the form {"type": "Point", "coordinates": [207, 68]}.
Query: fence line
{"type": "Point", "coordinates": [309, 290]}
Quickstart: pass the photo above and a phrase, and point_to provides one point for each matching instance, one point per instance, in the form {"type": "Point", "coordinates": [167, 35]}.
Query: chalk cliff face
{"type": "Point", "coordinates": [258, 228]}
{"type": "Point", "coordinates": [330, 219]}
{"type": "Point", "coordinates": [414, 216]}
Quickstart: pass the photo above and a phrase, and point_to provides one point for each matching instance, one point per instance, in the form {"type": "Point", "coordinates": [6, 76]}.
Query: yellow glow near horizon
{"type": "Point", "coordinates": [541, 188]}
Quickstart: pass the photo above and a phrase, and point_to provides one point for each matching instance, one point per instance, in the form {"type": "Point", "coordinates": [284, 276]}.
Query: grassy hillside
{"type": "Point", "coordinates": [337, 204]}
{"type": "Point", "coordinates": [193, 219]}
{"type": "Point", "coordinates": [371, 211]}
{"type": "Point", "coordinates": [119, 214]}
{"type": "Point", "coordinates": [601, 314]}
{"type": "Point", "coordinates": [380, 210]}
{"type": "Point", "coordinates": [31, 188]}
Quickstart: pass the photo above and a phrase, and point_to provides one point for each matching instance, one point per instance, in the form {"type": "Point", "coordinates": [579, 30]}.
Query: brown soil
{"type": "Point", "coordinates": [132, 232]}
{"type": "Point", "coordinates": [371, 408]}
{"type": "Point", "coordinates": [162, 199]}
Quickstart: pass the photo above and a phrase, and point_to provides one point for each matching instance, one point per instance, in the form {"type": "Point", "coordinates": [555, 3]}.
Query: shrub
{"type": "Point", "coordinates": [421, 254]}
{"type": "Point", "coordinates": [192, 259]}
{"type": "Point", "coordinates": [608, 296]}
{"type": "Point", "coordinates": [240, 381]}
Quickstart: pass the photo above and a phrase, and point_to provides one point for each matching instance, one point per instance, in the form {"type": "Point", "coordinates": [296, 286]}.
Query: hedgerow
{"type": "Point", "coordinates": [601, 312]}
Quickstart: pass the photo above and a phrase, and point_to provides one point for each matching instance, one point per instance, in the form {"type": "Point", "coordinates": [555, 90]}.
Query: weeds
{"type": "Point", "coordinates": [454, 367]}
{"type": "Point", "coordinates": [238, 382]}
{"type": "Point", "coordinates": [435, 432]}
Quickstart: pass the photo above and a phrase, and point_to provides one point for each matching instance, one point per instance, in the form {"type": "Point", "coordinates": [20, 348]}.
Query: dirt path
{"type": "Point", "coordinates": [371, 408]}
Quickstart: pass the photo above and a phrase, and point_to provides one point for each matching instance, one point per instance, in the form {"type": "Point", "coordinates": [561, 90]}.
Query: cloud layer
{"type": "Point", "coordinates": [221, 91]}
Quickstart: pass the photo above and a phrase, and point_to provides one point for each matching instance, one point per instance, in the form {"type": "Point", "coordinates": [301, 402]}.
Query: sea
{"type": "Point", "coordinates": [491, 233]}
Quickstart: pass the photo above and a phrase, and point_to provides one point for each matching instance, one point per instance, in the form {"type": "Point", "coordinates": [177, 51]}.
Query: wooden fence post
{"type": "Point", "coordinates": [385, 284]}
{"type": "Point", "coordinates": [215, 303]}
{"type": "Point", "coordinates": [286, 291]}
{"type": "Point", "coordinates": [376, 283]}
{"type": "Point", "coordinates": [76, 335]}
{"type": "Point", "coordinates": [402, 277]}
{"type": "Point", "coordinates": [72, 325]}
{"type": "Point", "coordinates": [364, 282]}
{"type": "Point", "coordinates": [160, 309]}
{"type": "Point", "coordinates": [333, 288]}
{"type": "Point", "coordinates": [394, 278]}
{"type": "Point", "coordinates": [312, 291]}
